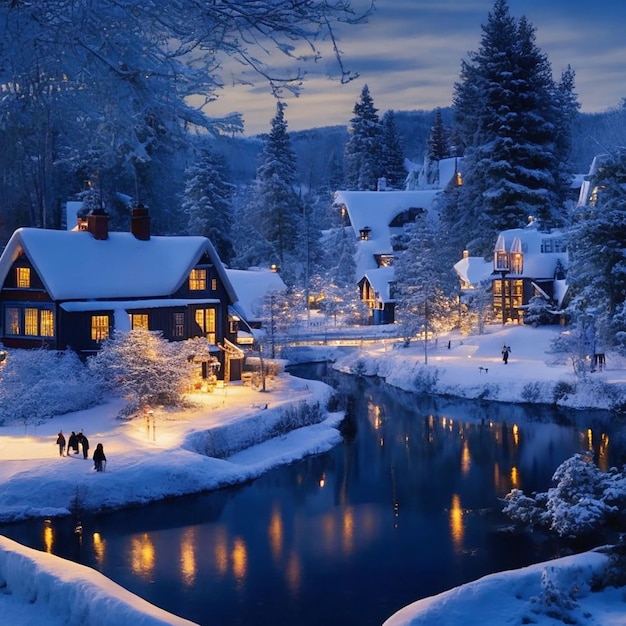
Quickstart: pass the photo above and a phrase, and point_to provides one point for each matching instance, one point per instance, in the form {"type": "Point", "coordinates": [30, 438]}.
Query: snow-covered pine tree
{"type": "Point", "coordinates": [278, 205]}
{"type": "Point", "coordinates": [438, 141]}
{"type": "Point", "coordinates": [425, 282]}
{"type": "Point", "coordinates": [392, 155]}
{"type": "Point", "coordinates": [597, 273]}
{"type": "Point", "coordinates": [506, 110]}
{"type": "Point", "coordinates": [363, 148]}
{"type": "Point", "coordinates": [207, 202]}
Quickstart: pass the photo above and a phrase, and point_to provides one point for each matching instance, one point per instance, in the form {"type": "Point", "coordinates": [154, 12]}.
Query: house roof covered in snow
{"type": "Point", "coordinates": [381, 279]}
{"type": "Point", "coordinates": [474, 270]}
{"type": "Point", "coordinates": [74, 265]}
{"type": "Point", "coordinates": [252, 286]}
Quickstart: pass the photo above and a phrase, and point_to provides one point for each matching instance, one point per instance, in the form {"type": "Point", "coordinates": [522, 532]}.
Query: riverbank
{"type": "Point", "coordinates": [472, 368]}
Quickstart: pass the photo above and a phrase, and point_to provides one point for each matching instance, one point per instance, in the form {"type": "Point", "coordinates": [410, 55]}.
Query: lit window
{"type": "Point", "coordinates": [23, 277]}
{"type": "Point", "coordinates": [214, 284]}
{"type": "Point", "coordinates": [139, 321]}
{"type": "Point", "coordinates": [31, 322]}
{"type": "Point", "coordinates": [46, 323]}
{"type": "Point", "coordinates": [179, 325]}
{"type": "Point", "coordinates": [99, 327]}
{"type": "Point", "coordinates": [197, 280]}
{"type": "Point", "coordinates": [205, 318]}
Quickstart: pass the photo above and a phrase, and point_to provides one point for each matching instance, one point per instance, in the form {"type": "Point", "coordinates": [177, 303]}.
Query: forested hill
{"type": "Point", "coordinates": [318, 148]}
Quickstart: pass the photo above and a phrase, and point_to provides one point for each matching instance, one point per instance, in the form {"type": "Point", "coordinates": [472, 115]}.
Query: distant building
{"type": "Point", "coordinates": [375, 216]}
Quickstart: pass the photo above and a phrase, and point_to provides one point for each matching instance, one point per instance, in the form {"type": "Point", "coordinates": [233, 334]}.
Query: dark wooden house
{"type": "Point", "coordinates": [72, 289]}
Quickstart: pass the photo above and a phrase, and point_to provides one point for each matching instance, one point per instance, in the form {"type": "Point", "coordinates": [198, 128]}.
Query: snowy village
{"type": "Point", "coordinates": [365, 373]}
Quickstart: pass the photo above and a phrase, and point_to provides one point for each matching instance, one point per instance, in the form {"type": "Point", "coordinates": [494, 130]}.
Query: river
{"type": "Point", "coordinates": [406, 507]}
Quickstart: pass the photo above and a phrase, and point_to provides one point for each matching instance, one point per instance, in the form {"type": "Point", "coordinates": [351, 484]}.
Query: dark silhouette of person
{"type": "Point", "coordinates": [72, 443]}
{"type": "Point", "coordinates": [99, 458]}
{"type": "Point", "coordinates": [84, 442]}
{"type": "Point", "coordinates": [61, 442]}
{"type": "Point", "coordinates": [505, 353]}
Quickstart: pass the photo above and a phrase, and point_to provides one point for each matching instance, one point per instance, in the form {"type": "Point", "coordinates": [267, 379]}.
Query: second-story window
{"type": "Point", "coordinates": [197, 280]}
{"type": "Point", "coordinates": [23, 277]}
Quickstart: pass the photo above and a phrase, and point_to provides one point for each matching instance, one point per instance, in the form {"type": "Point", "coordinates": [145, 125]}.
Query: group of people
{"type": "Point", "coordinates": [80, 439]}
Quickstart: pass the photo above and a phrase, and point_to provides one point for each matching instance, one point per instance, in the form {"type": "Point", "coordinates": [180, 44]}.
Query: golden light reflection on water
{"type": "Point", "coordinates": [516, 434]}
{"type": "Point", "coordinates": [142, 556]}
{"type": "Point", "coordinates": [48, 536]}
{"type": "Point", "coordinates": [276, 534]}
{"type": "Point", "coordinates": [188, 565]}
{"type": "Point", "coordinates": [514, 477]}
{"type": "Point", "coordinates": [347, 527]}
{"type": "Point", "coordinates": [293, 572]}
{"type": "Point", "coordinates": [99, 548]}
{"type": "Point", "coordinates": [466, 459]}
{"type": "Point", "coordinates": [457, 529]}
{"type": "Point", "coordinates": [239, 559]}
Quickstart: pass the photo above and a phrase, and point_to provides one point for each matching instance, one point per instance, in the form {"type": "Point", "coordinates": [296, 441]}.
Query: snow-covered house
{"type": "Point", "coordinates": [252, 288]}
{"type": "Point", "coordinates": [375, 216]}
{"type": "Point", "coordinates": [527, 263]}
{"type": "Point", "coordinates": [61, 289]}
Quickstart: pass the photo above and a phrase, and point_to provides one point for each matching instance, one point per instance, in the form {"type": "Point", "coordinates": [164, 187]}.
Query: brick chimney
{"type": "Point", "coordinates": [98, 223]}
{"type": "Point", "coordinates": [140, 223]}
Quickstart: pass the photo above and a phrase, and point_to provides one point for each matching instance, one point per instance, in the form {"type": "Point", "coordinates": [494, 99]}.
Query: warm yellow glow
{"type": "Point", "coordinates": [240, 559]}
{"type": "Point", "coordinates": [48, 537]}
{"type": "Point", "coordinates": [516, 434]}
{"type": "Point", "coordinates": [465, 458]}
{"type": "Point", "coordinates": [589, 439]}
{"type": "Point", "coordinates": [188, 565]}
{"type": "Point", "coordinates": [514, 478]}
{"type": "Point", "coordinates": [347, 528]}
{"type": "Point", "coordinates": [276, 534]}
{"type": "Point", "coordinates": [99, 548]}
{"type": "Point", "coordinates": [294, 572]}
{"type": "Point", "coordinates": [23, 277]}
{"type": "Point", "coordinates": [142, 556]}
{"type": "Point", "coordinates": [323, 480]}
{"type": "Point", "coordinates": [456, 521]}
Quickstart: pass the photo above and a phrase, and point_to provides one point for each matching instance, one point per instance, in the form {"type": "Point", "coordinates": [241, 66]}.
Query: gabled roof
{"type": "Point", "coordinates": [537, 264]}
{"type": "Point", "coordinates": [73, 265]}
{"type": "Point", "coordinates": [380, 279]}
{"type": "Point", "coordinates": [474, 270]}
{"type": "Point", "coordinates": [251, 287]}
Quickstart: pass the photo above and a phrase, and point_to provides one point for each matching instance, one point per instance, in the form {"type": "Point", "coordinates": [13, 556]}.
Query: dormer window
{"type": "Point", "coordinates": [365, 233]}
{"type": "Point", "coordinates": [22, 277]}
{"type": "Point", "coordinates": [500, 256]}
{"type": "Point", "coordinates": [516, 259]}
{"type": "Point", "coordinates": [197, 280]}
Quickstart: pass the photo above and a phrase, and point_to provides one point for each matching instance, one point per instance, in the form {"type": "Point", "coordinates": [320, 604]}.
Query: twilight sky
{"type": "Point", "coordinates": [410, 51]}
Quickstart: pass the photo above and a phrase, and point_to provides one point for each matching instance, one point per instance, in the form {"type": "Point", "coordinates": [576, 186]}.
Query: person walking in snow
{"type": "Point", "coordinates": [72, 443]}
{"type": "Point", "coordinates": [84, 442]}
{"type": "Point", "coordinates": [61, 442]}
{"type": "Point", "coordinates": [505, 353]}
{"type": "Point", "coordinates": [99, 458]}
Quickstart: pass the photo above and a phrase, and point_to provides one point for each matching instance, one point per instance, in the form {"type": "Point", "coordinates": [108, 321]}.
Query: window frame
{"type": "Point", "coordinates": [198, 279]}
{"type": "Point", "coordinates": [27, 317]}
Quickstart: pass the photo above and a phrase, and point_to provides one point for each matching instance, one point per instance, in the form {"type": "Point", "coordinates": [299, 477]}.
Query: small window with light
{"type": "Point", "coordinates": [23, 277]}
{"type": "Point", "coordinates": [139, 321]}
{"type": "Point", "coordinates": [197, 280]}
{"type": "Point", "coordinates": [99, 327]}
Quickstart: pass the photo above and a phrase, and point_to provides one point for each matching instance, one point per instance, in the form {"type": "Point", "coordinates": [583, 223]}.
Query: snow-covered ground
{"type": "Point", "coordinates": [166, 455]}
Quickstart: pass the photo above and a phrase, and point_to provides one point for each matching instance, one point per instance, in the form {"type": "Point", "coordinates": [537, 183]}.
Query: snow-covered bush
{"type": "Point", "coordinates": [425, 380]}
{"type": "Point", "coordinates": [539, 312]}
{"type": "Point", "coordinates": [581, 502]}
{"type": "Point", "coordinates": [557, 599]}
{"type": "Point", "coordinates": [39, 384]}
{"type": "Point", "coordinates": [143, 367]}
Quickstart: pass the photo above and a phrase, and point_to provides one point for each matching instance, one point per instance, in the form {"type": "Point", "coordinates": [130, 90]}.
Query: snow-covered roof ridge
{"type": "Point", "coordinates": [73, 265]}
{"type": "Point", "coordinates": [251, 287]}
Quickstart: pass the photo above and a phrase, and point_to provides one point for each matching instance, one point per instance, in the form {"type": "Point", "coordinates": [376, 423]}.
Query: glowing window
{"type": "Point", "coordinates": [197, 280]}
{"type": "Point", "coordinates": [99, 327]}
{"type": "Point", "coordinates": [205, 318]}
{"type": "Point", "coordinates": [214, 284]}
{"type": "Point", "coordinates": [46, 323]}
{"type": "Point", "coordinates": [23, 277]}
{"type": "Point", "coordinates": [139, 321]}
{"type": "Point", "coordinates": [12, 321]}
{"type": "Point", "coordinates": [31, 322]}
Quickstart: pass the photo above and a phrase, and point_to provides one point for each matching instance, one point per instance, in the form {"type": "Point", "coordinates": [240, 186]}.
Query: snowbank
{"type": "Point", "coordinates": [38, 588]}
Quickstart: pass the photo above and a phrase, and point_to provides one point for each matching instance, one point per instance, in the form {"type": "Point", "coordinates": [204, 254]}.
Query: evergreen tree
{"type": "Point", "coordinates": [207, 202]}
{"type": "Point", "coordinates": [438, 144]}
{"type": "Point", "coordinates": [597, 273]}
{"type": "Point", "coordinates": [507, 112]}
{"type": "Point", "coordinates": [392, 156]}
{"type": "Point", "coordinates": [277, 203]}
{"type": "Point", "coordinates": [362, 152]}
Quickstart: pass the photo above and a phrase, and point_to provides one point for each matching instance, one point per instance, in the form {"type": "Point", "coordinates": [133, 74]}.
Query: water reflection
{"type": "Point", "coordinates": [406, 507]}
